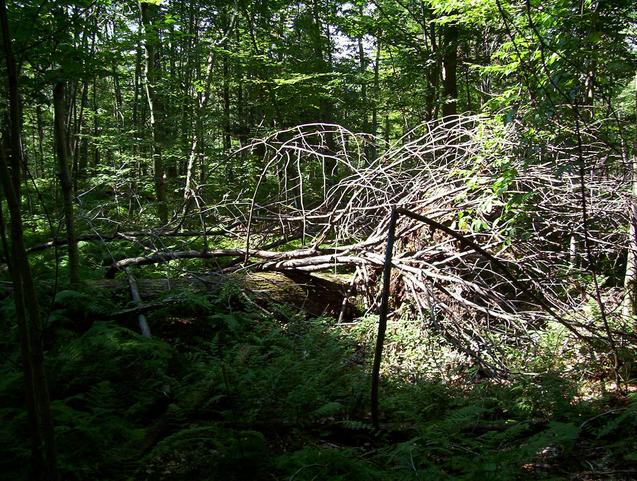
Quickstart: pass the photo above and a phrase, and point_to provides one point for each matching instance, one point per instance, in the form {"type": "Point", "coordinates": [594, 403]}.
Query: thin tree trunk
{"type": "Point", "coordinates": [44, 455]}
{"type": "Point", "coordinates": [432, 74]}
{"type": "Point", "coordinates": [96, 126]}
{"type": "Point", "coordinates": [362, 69]}
{"type": "Point", "coordinates": [150, 74]}
{"type": "Point", "coordinates": [630, 279]}
{"type": "Point", "coordinates": [374, 127]}
{"type": "Point", "coordinates": [226, 106]}
{"type": "Point", "coordinates": [62, 147]}
{"type": "Point", "coordinates": [79, 141]}
{"type": "Point", "coordinates": [386, 130]}
{"type": "Point", "coordinates": [40, 127]}
{"type": "Point", "coordinates": [137, 81]}
{"type": "Point", "coordinates": [202, 102]}
{"type": "Point", "coordinates": [137, 114]}
{"type": "Point", "coordinates": [450, 66]}
{"type": "Point", "coordinates": [382, 317]}
{"type": "Point", "coordinates": [242, 122]}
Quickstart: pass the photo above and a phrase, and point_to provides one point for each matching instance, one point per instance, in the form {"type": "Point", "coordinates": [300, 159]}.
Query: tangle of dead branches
{"type": "Point", "coordinates": [519, 200]}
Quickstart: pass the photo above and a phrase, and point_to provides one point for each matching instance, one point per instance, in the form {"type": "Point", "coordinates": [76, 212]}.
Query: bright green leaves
{"type": "Point", "coordinates": [298, 78]}
{"type": "Point", "coordinates": [552, 49]}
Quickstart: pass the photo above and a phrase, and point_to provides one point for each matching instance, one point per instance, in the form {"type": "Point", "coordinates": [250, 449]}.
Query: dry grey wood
{"type": "Point", "coordinates": [137, 300]}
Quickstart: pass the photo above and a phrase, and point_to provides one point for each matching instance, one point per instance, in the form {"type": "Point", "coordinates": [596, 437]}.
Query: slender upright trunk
{"type": "Point", "coordinates": [630, 279]}
{"type": "Point", "coordinates": [137, 115]}
{"type": "Point", "coordinates": [137, 81]}
{"type": "Point", "coordinates": [226, 106]}
{"type": "Point", "coordinates": [449, 68]}
{"type": "Point", "coordinates": [202, 102]}
{"type": "Point", "coordinates": [96, 126]}
{"type": "Point", "coordinates": [62, 148]}
{"type": "Point", "coordinates": [324, 58]}
{"type": "Point", "coordinates": [40, 127]}
{"type": "Point", "coordinates": [79, 142]}
{"type": "Point", "coordinates": [43, 465]}
{"type": "Point", "coordinates": [119, 99]}
{"type": "Point", "coordinates": [386, 130]}
{"type": "Point", "coordinates": [432, 74]}
{"type": "Point", "coordinates": [150, 74]}
{"type": "Point", "coordinates": [362, 69]}
{"type": "Point", "coordinates": [468, 84]}
{"type": "Point", "coordinates": [78, 146]}
{"type": "Point", "coordinates": [374, 127]}
{"type": "Point", "coordinates": [242, 121]}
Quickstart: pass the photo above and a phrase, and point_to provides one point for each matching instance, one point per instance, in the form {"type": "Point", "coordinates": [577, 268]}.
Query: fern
{"type": "Point", "coordinates": [327, 410]}
{"type": "Point", "coordinates": [209, 452]}
{"type": "Point", "coordinates": [614, 422]}
{"type": "Point", "coordinates": [196, 435]}
{"type": "Point", "coordinates": [322, 464]}
{"type": "Point", "coordinates": [557, 434]}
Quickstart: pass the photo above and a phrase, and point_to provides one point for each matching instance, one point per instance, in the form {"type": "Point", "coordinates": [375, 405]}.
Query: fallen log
{"type": "Point", "coordinates": [278, 260]}
{"type": "Point", "coordinates": [316, 294]}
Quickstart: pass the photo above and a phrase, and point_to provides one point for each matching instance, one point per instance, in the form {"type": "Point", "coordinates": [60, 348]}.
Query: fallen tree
{"type": "Point", "coordinates": [317, 295]}
{"type": "Point", "coordinates": [470, 177]}
{"type": "Point", "coordinates": [488, 207]}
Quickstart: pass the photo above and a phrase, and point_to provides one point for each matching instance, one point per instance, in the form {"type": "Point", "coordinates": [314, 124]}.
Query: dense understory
{"type": "Point", "coordinates": [263, 184]}
{"type": "Point", "coordinates": [224, 391]}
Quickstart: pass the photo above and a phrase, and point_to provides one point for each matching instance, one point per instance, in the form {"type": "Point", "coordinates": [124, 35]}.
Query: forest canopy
{"type": "Point", "coordinates": [323, 239]}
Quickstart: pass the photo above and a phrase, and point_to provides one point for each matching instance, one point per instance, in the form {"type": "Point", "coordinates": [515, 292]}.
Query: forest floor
{"type": "Point", "coordinates": [225, 391]}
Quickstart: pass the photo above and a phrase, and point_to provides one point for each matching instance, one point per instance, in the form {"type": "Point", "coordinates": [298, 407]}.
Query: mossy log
{"type": "Point", "coordinates": [315, 294]}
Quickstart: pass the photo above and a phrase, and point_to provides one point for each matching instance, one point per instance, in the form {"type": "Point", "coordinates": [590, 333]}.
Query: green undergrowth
{"type": "Point", "coordinates": [225, 392]}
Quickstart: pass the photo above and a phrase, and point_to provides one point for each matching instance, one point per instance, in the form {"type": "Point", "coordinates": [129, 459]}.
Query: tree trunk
{"type": "Point", "coordinates": [449, 71]}
{"type": "Point", "coordinates": [433, 75]}
{"type": "Point", "coordinates": [62, 147]}
{"type": "Point", "coordinates": [362, 69]}
{"type": "Point", "coordinates": [96, 126]}
{"type": "Point", "coordinates": [40, 128]}
{"type": "Point", "coordinates": [630, 279]}
{"type": "Point", "coordinates": [374, 127]}
{"type": "Point", "coordinates": [150, 74]}
{"type": "Point", "coordinates": [202, 102]}
{"type": "Point", "coordinates": [79, 141]}
{"type": "Point", "coordinates": [226, 106]}
{"type": "Point", "coordinates": [43, 452]}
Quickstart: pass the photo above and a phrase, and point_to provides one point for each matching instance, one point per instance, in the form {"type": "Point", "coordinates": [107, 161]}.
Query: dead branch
{"type": "Point", "coordinates": [490, 200]}
{"type": "Point", "coordinates": [133, 236]}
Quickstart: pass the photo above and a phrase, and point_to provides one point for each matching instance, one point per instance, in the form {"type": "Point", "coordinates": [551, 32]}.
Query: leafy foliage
{"type": "Point", "coordinates": [162, 101]}
{"type": "Point", "coordinates": [262, 398]}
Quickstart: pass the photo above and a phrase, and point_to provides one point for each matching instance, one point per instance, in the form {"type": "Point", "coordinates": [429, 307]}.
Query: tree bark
{"type": "Point", "coordinates": [151, 75]}
{"type": "Point", "coordinates": [96, 127]}
{"type": "Point", "coordinates": [226, 106]}
{"type": "Point", "coordinates": [382, 317]}
{"type": "Point", "coordinates": [630, 278]}
{"type": "Point", "coordinates": [202, 102]}
{"type": "Point", "coordinates": [433, 74]}
{"type": "Point", "coordinates": [449, 74]}
{"type": "Point", "coordinates": [374, 126]}
{"type": "Point", "coordinates": [137, 300]}
{"type": "Point", "coordinates": [79, 142]}
{"type": "Point", "coordinates": [43, 452]}
{"type": "Point", "coordinates": [62, 147]}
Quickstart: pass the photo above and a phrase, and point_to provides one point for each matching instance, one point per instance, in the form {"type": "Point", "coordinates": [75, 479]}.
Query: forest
{"type": "Point", "coordinates": [318, 240]}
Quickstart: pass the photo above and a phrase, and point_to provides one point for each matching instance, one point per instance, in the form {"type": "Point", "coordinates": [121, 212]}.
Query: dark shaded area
{"type": "Point", "coordinates": [241, 395]}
